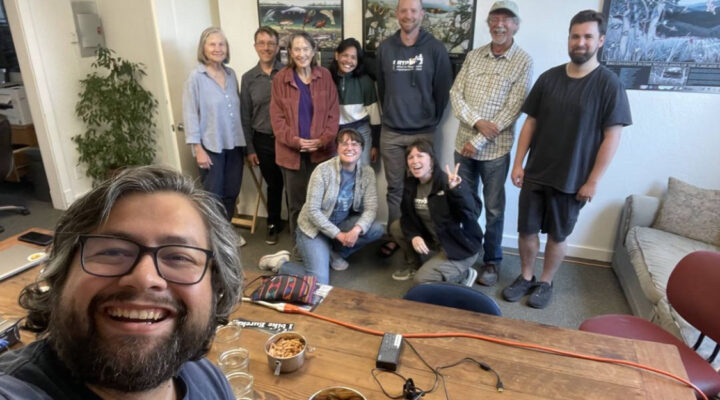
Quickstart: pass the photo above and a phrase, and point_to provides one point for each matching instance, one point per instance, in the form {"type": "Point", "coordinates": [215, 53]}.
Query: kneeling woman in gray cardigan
{"type": "Point", "coordinates": [338, 217]}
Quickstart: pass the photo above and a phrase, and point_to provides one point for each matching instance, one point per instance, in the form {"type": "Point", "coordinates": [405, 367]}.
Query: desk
{"type": "Point", "coordinates": [343, 356]}
{"type": "Point", "coordinates": [22, 135]}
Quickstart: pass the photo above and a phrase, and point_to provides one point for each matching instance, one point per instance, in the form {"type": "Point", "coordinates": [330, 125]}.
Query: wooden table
{"type": "Point", "coordinates": [10, 288]}
{"type": "Point", "coordinates": [345, 357]}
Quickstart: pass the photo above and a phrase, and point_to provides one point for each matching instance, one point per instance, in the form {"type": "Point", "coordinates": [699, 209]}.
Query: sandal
{"type": "Point", "coordinates": [388, 249]}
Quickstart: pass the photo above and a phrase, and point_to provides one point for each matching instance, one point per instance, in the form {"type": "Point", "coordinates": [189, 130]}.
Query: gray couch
{"type": "Point", "coordinates": [643, 260]}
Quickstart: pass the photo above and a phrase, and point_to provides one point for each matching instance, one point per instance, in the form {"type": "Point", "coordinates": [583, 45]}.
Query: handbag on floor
{"type": "Point", "coordinates": [287, 288]}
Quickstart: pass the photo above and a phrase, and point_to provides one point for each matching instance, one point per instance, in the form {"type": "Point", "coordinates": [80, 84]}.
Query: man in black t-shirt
{"type": "Point", "coordinates": [142, 269]}
{"type": "Point", "coordinates": [575, 114]}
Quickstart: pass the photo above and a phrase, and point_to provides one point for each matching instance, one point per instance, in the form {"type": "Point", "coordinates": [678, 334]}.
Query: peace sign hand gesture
{"type": "Point", "coordinates": [453, 178]}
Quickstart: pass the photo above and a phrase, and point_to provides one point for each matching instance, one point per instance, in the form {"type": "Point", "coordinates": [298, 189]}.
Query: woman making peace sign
{"type": "Point", "coordinates": [439, 221]}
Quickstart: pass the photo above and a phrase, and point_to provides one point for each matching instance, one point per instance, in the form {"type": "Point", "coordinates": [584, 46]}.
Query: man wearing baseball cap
{"type": "Point", "coordinates": [486, 97]}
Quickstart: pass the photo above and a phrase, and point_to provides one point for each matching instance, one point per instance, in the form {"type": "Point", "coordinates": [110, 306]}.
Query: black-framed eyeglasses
{"type": "Point", "coordinates": [112, 256]}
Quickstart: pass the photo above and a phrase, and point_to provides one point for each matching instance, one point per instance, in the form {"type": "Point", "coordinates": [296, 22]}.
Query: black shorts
{"type": "Point", "coordinates": [547, 210]}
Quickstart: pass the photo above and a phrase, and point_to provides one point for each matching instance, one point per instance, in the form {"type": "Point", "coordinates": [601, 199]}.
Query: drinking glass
{"type": "Point", "coordinates": [227, 337]}
{"type": "Point", "coordinates": [242, 385]}
{"type": "Point", "coordinates": [235, 360]}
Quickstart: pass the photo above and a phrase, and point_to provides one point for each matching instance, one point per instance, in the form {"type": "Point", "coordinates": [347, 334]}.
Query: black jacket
{"type": "Point", "coordinates": [454, 214]}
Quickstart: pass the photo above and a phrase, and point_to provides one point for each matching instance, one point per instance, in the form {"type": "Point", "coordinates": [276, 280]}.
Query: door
{"type": "Point", "coordinates": [179, 25]}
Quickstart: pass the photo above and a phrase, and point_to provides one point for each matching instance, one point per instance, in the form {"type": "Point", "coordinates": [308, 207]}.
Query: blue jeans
{"type": "Point", "coordinates": [224, 177]}
{"type": "Point", "coordinates": [315, 251]}
{"type": "Point", "coordinates": [493, 174]}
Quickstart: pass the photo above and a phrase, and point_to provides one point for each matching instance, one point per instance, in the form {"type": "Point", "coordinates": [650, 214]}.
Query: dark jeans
{"type": "Point", "coordinates": [265, 150]}
{"type": "Point", "coordinates": [296, 182]}
{"type": "Point", "coordinates": [493, 174]}
{"type": "Point", "coordinates": [224, 177]}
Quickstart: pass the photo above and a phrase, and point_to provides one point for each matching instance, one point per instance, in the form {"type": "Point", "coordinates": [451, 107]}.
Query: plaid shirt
{"type": "Point", "coordinates": [493, 89]}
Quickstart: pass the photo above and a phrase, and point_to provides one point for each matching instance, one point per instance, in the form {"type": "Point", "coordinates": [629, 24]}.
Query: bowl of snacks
{"type": "Point", "coordinates": [285, 352]}
{"type": "Point", "coordinates": [337, 393]}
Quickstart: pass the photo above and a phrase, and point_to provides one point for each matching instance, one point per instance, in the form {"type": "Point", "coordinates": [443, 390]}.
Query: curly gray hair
{"type": "Point", "coordinates": [93, 209]}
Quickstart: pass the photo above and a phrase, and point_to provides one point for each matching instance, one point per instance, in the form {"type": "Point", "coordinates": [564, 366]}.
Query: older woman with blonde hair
{"type": "Point", "coordinates": [211, 112]}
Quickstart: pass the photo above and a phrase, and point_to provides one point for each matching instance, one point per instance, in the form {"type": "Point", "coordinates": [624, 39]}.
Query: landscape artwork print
{"type": "Point", "coordinates": [322, 19]}
{"type": "Point", "coordinates": [450, 21]}
{"type": "Point", "coordinates": [664, 44]}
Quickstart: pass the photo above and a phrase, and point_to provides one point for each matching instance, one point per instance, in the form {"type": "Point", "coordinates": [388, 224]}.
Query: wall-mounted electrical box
{"type": "Point", "coordinates": [88, 27]}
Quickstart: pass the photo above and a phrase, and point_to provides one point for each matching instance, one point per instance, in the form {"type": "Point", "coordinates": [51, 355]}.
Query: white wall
{"type": "Point", "coordinates": [673, 133]}
{"type": "Point", "coordinates": [131, 31]}
{"type": "Point", "coordinates": [46, 43]}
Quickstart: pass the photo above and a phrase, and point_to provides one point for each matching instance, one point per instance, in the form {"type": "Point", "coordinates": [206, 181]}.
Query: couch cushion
{"type": "Point", "coordinates": [690, 211]}
{"type": "Point", "coordinates": [654, 254]}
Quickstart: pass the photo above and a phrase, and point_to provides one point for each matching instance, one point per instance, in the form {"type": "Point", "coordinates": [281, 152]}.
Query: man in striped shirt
{"type": "Point", "coordinates": [486, 97]}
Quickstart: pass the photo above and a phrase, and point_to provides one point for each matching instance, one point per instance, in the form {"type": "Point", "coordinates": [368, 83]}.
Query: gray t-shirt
{"type": "Point", "coordinates": [423, 211]}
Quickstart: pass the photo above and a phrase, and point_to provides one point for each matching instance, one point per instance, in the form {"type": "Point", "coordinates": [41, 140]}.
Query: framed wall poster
{"type": "Point", "coordinates": [450, 21]}
{"type": "Point", "coordinates": [322, 19]}
{"type": "Point", "coordinates": [664, 44]}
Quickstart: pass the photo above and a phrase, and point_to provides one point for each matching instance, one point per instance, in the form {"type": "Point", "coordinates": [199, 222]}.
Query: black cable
{"type": "Point", "coordinates": [485, 367]}
{"type": "Point", "coordinates": [410, 391]}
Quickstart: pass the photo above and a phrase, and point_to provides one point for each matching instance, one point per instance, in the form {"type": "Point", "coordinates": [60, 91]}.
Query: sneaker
{"type": "Point", "coordinates": [488, 274]}
{"type": "Point", "coordinates": [519, 288]}
{"type": "Point", "coordinates": [240, 241]}
{"type": "Point", "coordinates": [272, 235]}
{"type": "Point", "coordinates": [541, 295]}
{"type": "Point", "coordinates": [470, 277]}
{"type": "Point", "coordinates": [272, 262]}
{"type": "Point", "coordinates": [404, 274]}
{"type": "Point", "coordinates": [337, 262]}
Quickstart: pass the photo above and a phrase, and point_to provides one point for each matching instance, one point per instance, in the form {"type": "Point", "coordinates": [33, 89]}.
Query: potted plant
{"type": "Point", "coordinates": [119, 115]}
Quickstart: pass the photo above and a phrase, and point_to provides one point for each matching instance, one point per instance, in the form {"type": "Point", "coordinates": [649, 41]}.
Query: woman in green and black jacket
{"type": "Point", "coordinates": [359, 107]}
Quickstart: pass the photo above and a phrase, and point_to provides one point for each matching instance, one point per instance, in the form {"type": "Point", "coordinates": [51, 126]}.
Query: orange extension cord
{"type": "Point", "coordinates": [292, 309]}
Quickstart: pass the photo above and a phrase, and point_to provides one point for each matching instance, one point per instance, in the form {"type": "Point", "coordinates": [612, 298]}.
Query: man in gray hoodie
{"type": "Point", "coordinates": [414, 79]}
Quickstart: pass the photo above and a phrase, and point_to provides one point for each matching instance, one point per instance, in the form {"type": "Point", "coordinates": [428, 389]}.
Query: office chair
{"type": "Point", "coordinates": [6, 162]}
{"type": "Point", "coordinates": [692, 291]}
{"type": "Point", "coordinates": [453, 295]}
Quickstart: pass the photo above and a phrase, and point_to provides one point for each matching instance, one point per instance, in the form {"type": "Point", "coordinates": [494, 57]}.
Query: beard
{"type": "Point", "coordinates": [581, 58]}
{"type": "Point", "coordinates": [130, 363]}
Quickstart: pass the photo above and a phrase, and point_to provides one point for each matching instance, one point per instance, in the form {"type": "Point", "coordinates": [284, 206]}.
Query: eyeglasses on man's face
{"type": "Point", "coordinates": [111, 256]}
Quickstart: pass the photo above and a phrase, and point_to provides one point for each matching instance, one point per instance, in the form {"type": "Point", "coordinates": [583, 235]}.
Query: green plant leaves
{"type": "Point", "coordinates": [119, 114]}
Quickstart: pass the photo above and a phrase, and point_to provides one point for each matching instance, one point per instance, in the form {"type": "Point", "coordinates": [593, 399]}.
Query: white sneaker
{"type": "Point", "coordinates": [240, 241]}
{"type": "Point", "coordinates": [404, 274]}
{"type": "Point", "coordinates": [272, 262]}
{"type": "Point", "coordinates": [470, 277]}
{"type": "Point", "coordinates": [337, 262]}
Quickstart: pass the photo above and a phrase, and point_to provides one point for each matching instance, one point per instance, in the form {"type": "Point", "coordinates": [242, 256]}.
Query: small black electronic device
{"type": "Point", "coordinates": [389, 352]}
{"type": "Point", "coordinates": [36, 238]}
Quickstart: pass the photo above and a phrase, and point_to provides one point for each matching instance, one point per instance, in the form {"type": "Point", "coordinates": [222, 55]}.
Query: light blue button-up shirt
{"type": "Point", "coordinates": [211, 113]}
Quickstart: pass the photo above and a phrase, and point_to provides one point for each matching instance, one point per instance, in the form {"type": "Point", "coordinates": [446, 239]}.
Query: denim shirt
{"type": "Point", "coordinates": [211, 113]}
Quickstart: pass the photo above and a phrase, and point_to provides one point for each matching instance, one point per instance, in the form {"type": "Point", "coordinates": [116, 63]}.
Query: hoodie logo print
{"type": "Point", "coordinates": [411, 64]}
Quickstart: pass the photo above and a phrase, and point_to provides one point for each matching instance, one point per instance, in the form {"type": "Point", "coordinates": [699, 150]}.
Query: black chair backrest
{"type": "Point", "coordinates": [6, 150]}
{"type": "Point", "coordinates": [693, 290]}
{"type": "Point", "coordinates": [453, 295]}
